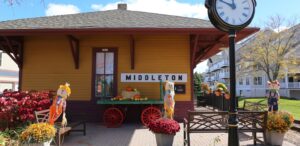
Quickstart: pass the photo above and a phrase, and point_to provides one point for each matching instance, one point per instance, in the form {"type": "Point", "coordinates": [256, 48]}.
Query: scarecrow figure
{"type": "Point", "coordinates": [59, 104]}
{"type": "Point", "coordinates": [273, 95]}
{"type": "Point", "coordinates": [169, 102]}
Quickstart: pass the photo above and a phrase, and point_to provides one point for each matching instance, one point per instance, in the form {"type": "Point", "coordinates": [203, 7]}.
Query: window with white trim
{"type": "Point", "coordinates": [257, 81]}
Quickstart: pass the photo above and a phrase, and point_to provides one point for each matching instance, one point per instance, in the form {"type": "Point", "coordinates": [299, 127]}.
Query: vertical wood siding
{"type": "Point", "coordinates": [48, 62]}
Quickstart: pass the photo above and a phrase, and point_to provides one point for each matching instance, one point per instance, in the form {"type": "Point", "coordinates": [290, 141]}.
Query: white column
{"type": "Point", "coordinates": [287, 83]}
{"type": "Point", "coordinates": [286, 79]}
{"type": "Point", "coordinates": [14, 86]}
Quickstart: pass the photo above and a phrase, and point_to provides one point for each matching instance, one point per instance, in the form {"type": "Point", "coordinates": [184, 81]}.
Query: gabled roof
{"type": "Point", "coordinates": [107, 19]}
{"type": "Point", "coordinates": [205, 39]}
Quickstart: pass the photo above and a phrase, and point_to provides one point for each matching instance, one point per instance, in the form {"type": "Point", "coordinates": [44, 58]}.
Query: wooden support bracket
{"type": "Point", "coordinates": [217, 44]}
{"type": "Point", "coordinates": [13, 47]}
{"type": "Point", "coordinates": [132, 52]}
{"type": "Point", "coordinates": [74, 45]}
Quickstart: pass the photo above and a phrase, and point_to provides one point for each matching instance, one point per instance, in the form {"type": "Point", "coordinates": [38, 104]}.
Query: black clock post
{"type": "Point", "coordinates": [233, 137]}
{"type": "Point", "coordinates": [231, 16]}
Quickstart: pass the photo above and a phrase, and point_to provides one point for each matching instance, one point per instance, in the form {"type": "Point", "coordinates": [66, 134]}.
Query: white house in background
{"type": "Point", "coordinates": [9, 73]}
{"type": "Point", "coordinates": [254, 82]}
{"type": "Point", "coordinates": [218, 69]}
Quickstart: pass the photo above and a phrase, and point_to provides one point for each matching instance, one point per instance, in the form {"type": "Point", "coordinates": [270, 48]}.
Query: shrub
{"type": "Point", "coordinates": [280, 121]}
{"type": "Point", "coordinates": [38, 133]}
{"type": "Point", "coordinates": [17, 108]}
{"type": "Point", "coordinates": [164, 126]}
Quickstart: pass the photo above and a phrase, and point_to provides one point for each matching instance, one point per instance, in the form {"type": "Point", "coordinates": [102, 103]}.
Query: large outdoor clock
{"type": "Point", "coordinates": [230, 14]}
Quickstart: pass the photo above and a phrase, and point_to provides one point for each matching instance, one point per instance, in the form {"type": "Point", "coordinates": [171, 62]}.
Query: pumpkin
{"type": "Point", "coordinates": [227, 96]}
{"type": "Point", "coordinates": [129, 89]}
{"type": "Point", "coordinates": [137, 96]}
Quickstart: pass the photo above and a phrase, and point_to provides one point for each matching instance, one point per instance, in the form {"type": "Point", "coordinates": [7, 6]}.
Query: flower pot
{"type": "Point", "coordinates": [38, 144]}
{"type": "Point", "coordinates": [227, 96]}
{"type": "Point", "coordinates": [164, 139]}
{"type": "Point", "coordinates": [274, 138]}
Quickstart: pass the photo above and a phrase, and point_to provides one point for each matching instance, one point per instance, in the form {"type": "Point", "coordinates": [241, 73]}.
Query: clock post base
{"type": "Point", "coordinates": [233, 137]}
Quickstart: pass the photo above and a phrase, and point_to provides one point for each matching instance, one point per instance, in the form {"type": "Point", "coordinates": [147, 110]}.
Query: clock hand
{"type": "Point", "coordinates": [233, 5]}
{"type": "Point", "coordinates": [230, 5]}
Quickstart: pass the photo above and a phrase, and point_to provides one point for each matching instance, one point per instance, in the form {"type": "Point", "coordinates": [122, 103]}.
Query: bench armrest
{"type": "Point", "coordinates": [185, 121]}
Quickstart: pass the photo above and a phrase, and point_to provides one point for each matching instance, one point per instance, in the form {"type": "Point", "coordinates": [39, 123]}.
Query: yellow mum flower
{"type": "Point", "coordinates": [280, 121]}
{"type": "Point", "coordinates": [38, 133]}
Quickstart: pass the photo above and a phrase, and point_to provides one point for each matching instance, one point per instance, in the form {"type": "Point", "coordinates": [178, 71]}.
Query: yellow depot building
{"type": "Point", "coordinates": [102, 53]}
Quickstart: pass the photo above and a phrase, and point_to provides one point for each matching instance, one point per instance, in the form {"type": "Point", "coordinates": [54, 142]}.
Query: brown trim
{"type": "Point", "coordinates": [14, 48]}
{"type": "Point", "coordinates": [203, 52]}
{"type": "Point", "coordinates": [132, 52]}
{"type": "Point", "coordinates": [21, 64]}
{"type": "Point", "coordinates": [192, 67]}
{"type": "Point", "coordinates": [100, 49]}
{"type": "Point", "coordinates": [50, 31]}
{"type": "Point", "coordinates": [196, 42]}
{"type": "Point", "coordinates": [74, 46]}
{"type": "Point", "coordinates": [11, 50]}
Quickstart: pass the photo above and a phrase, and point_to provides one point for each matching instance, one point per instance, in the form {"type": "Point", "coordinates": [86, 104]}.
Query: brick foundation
{"type": "Point", "coordinates": [181, 108]}
{"type": "Point", "coordinates": [92, 112]}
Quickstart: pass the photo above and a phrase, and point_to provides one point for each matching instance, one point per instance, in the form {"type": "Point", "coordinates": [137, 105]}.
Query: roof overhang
{"type": "Point", "coordinates": [206, 44]}
{"type": "Point", "coordinates": [79, 31]}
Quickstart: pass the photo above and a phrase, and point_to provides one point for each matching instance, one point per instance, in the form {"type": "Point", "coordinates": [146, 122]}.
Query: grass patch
{"type": "Point", "coordinates": [290, 105]}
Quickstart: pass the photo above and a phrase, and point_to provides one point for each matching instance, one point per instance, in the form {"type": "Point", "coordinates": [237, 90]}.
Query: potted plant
{"type": "Point", "coordinates": [165, 130]}
{"type": "Point", "coordinates": [227, 95]}
{"type": "Point", "coordinates": [205, 88]}
{"type": "Point", "coordinates": [278, 124]}
{"type": "Point", "coordinates": [221, 88]}
{"type": "Point", "coordinates": [39, 134]}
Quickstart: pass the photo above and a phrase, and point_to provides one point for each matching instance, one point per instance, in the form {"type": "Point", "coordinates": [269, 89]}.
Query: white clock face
{"type": "Point", "coordinates": [235, 12]}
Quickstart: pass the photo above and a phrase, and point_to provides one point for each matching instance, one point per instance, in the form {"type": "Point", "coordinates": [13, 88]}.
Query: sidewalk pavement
{"type": "Point", "coordinates": [138, 135]}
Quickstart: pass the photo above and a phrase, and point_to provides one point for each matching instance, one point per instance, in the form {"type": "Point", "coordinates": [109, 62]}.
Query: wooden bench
{"type": "Point", "coordinates": [76, 124]}
{"type": "Point", "coordinates": [42, 116]}
{"type": "Point", "coordinates": [216, 122]}
{"type": "Point", "coordinates": [254, 106]}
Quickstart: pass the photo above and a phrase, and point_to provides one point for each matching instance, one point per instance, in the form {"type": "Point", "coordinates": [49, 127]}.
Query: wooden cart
{"type": "Point", "coordinates": [115, 114]}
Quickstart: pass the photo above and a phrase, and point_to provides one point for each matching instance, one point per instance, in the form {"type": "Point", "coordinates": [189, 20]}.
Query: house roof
{"type": "Point", "coordinates": [107, 19]}
{"type": "Point", "coordinates": [205, 38]}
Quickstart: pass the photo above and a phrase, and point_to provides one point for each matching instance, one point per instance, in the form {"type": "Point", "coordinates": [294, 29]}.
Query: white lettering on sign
{"type": "Point", "coordinates": [153, 77]}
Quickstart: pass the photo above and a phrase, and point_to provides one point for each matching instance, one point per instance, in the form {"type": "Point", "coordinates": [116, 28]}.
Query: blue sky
{"type": "Point", "coordinates": [189, 8]}
{"type": "Point", "coordinates": [35, 8]}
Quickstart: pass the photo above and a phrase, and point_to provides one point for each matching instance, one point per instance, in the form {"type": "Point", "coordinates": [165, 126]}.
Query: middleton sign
{"type": "Point", "coordinates": [153, 77]}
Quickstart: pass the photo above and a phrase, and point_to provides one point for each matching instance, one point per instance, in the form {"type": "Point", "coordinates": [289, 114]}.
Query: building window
{"type": "Point", "coordinates": [241, 81]}
{"type": "Point", "coordinates": [247, 81]}
{"type": "Point", "coordinates": [104, 73]}
{"type": "Point", "coordinates": [257, 80]}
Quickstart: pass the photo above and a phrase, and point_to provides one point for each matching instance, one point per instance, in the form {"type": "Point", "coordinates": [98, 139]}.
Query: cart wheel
{"type": "Point", "coordinates": [113, 117]}
{"type": "Point", "coordinates": [149, 114]}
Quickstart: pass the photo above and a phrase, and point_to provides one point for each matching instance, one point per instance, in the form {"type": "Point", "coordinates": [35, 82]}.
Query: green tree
{"type": "Point", "coordinates": [198, 78]}
{"type": "Point", "coordinates": [272, 50]}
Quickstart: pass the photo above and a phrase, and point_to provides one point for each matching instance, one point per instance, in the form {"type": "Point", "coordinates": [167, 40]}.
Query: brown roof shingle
{"type": "Point", "coordinates": [107, 19]}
